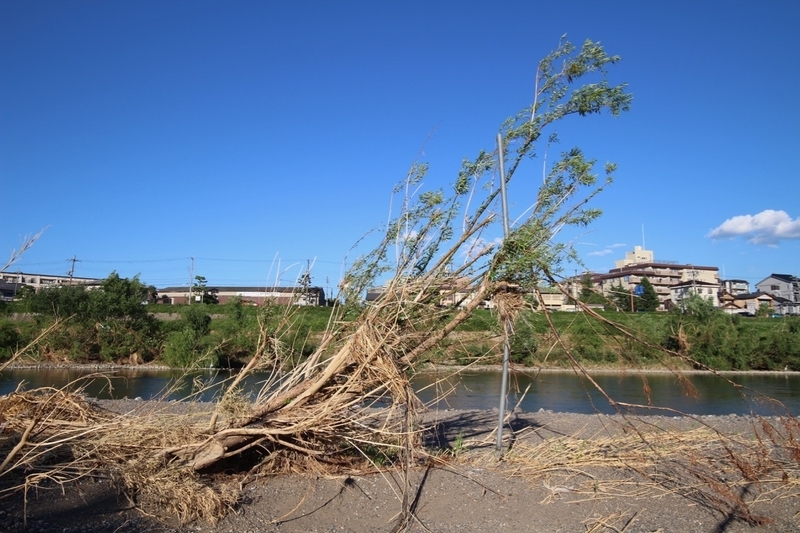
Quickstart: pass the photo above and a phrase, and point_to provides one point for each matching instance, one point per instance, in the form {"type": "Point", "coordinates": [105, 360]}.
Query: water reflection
{"type": "Point", "coordinates": [555, 391]}
{"type": "Point", "coordinates": [566, 392]}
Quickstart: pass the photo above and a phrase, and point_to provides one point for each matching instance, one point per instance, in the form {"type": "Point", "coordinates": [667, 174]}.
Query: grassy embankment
{"type": "Point", "coordinates": [227, 335]}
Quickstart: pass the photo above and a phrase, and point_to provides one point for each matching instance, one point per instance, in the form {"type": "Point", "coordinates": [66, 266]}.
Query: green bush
{"type": "Point", "coordinates": [185, 349]}
{"type": "Point", "coordinates": [10, 339]}
{"type": "Point", "coordinates": [107, 323]}
{"type": "Point", "coordinates": [197, 320]}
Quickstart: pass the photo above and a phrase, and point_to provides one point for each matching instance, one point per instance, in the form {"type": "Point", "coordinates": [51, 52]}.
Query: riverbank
{"type": "Point", "coordinates": [605, 369]}
{"type": "Point", "coordinates": [717, 341]}
{"type": "Point", "coordinates": [426, 367]}
{"type": "Point", "coordinates": [560, 472]}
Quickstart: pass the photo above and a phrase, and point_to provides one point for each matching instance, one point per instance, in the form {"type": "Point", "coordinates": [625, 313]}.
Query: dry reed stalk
{"type": "Point", "coordinates": [617, 522]}
{"type": "Point", "coordinates": [701, 464]}
{"type": "Point", "coordinates": [27, 243]}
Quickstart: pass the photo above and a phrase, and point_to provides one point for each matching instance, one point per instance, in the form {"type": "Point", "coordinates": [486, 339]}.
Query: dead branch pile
{"type": "Point", "coordinates": [53, 436]}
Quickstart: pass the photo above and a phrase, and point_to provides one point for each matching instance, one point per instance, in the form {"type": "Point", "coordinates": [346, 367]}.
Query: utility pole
{"type": "Point", "coordinates": [191, 281]}
{"type": "Point", "coordinates": [72, 268]}
{"type": "Point", "coordinates": [305, 283]}
{"type": "Point", "coordinates": [631, 298]}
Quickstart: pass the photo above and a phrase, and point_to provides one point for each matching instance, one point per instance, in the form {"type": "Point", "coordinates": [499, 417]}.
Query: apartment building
{"type": "Point", "coordinates": [663, 275]}
{"type": "Point", "coordinates": [38, 281]}
{"type": "Point", "coordinates": [735, 287]}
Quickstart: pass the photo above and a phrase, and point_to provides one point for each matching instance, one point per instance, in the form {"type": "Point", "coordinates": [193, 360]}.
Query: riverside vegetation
{"type": "Point", "coordinates": [112, 326]}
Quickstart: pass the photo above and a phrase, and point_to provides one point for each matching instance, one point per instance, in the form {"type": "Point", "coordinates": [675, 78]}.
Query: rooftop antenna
{"type": "Point", "coordinates": [643, 246]}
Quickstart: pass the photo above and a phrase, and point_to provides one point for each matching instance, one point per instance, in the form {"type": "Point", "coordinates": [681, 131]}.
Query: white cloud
{"type": "Point", "coordinates": [608, 249]}
{"type": "Point", "coordinates": [766, 227]}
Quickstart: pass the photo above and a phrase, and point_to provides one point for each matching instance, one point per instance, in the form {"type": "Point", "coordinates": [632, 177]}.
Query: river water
{"type": "Point", "coordinates": [554, 391]}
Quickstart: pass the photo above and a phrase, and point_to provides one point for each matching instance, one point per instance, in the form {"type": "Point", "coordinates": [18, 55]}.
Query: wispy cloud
{"type": "Point", "coordinates": [608, 249]}
{"type": "Point", "coordinates": [767, 227]}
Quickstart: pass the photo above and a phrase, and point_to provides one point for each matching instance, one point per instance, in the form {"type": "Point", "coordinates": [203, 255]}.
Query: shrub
{"type": "Point", "coordinates": [9, 339]}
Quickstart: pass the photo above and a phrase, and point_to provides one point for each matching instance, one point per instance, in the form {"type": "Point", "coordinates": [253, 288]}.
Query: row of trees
{"type": "Point", "coordinates": [114, 323]}
{"type": "Point", "coordinates": [111, 324]}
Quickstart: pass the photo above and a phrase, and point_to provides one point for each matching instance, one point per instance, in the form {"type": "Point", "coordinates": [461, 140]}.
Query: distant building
{"type": "Point", "coordinates": [314, 296]}
{"type": "Point", "coordinates": [637, 256]}
{"type": "Point", "coordinates": [458, 293]}
{"type": "Point", "coordinates": [681, 291]}
{"type": "Point", "coordinates": [8, 291]}
{"type": "Point", "coordinates": [552, 299]}
{"type": "Point", "coordinates": [782, 306]}
{"type": "Point", "coordinates": [752, 302]}
{"type": "Point", "coordinates": [734, 286]}
{"type": "Point", "coordinates": [663, 275]}
{"type": "Point", "coordinates": [783, 285]}
{"type": "Point", "coordinates": [38, 281]}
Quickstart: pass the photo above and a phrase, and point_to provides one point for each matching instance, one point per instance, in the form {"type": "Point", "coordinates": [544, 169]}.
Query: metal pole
{"type": "Point", "coordinates": [506, 325]}
{"type": "Point", "coordinates": [191, 282]}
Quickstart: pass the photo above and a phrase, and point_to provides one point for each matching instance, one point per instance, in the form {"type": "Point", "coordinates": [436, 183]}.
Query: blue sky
{"type": "Point", "coordinates": [256, 136]}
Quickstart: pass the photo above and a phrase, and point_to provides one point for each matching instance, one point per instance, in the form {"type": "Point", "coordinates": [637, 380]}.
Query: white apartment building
{"type": "Point", "coordinates": [37, 281]}
{"type": "Point", "coordinates": [663, 275]}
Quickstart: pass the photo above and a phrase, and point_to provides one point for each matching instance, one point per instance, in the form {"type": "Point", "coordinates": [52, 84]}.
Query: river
{"type": "Point", "coordinates": [554, 391]}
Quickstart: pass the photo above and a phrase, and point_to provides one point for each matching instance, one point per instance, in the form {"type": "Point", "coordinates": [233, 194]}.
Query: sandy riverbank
{"type": "Point", "coordinates": [462, 486]}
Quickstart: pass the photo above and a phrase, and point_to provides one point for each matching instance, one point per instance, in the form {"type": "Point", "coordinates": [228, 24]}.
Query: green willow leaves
{"type": "Point", "coordinates": [422, 239]}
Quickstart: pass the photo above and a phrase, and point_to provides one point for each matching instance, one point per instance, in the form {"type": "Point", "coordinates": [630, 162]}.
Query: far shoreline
{"type": "Point", "coordinates": [423, 368]}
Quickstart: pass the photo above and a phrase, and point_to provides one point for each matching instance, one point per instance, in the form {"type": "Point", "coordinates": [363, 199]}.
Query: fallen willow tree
{"type": "Point", "coordinates": [312, 410]}
{"type": "Point", "coordinates": [349, 406]}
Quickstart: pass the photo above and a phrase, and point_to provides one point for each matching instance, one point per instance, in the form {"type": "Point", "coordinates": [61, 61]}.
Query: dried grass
{"type": "Point", "coordinates": [727, 473]}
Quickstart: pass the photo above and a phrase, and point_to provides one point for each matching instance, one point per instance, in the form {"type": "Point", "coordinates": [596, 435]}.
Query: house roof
{"type": "Point", "coordinates": [786, 278]}
{"type": "Point", "coordinates": [754, 295]}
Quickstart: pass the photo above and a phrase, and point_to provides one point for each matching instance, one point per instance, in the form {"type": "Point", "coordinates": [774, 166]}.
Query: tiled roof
{"type": "Point", "coordinates": [788, 278]}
